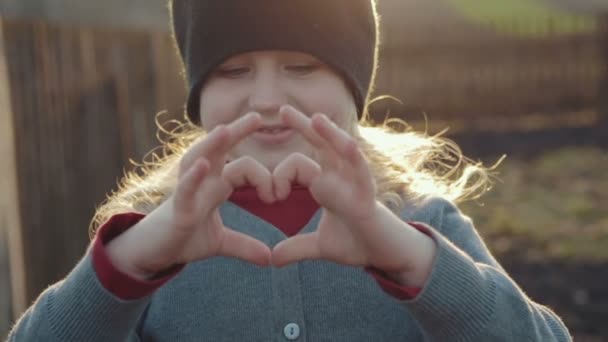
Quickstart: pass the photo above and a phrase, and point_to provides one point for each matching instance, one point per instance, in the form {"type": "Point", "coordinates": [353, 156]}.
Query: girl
{"type": "Point", "coordinates": [285, 221]}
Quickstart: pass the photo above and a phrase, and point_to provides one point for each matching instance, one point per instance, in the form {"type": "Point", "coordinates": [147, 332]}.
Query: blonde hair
{"type": "Point", "coordinates": [406, 166]}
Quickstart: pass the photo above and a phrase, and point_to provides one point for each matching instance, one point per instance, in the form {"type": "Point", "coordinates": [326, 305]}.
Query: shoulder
{"type": "Point", "coordinates": [445, 217]}
{"type": "Point", "coordinates": [441, 214]}
{"type": "Point", "coordinates": [432, 210]}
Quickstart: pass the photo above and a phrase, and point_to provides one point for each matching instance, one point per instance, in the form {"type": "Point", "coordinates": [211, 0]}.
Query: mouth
{"type": "Point", "coordinates": [273, 129]}
{"type": "Point", "coordinates": [273, 134]}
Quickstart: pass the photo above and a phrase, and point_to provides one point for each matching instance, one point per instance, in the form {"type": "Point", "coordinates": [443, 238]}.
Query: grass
{"type": "Point", "coordinates": [523, 17]}
{"type": "Point", "coordinates": [553, 206]}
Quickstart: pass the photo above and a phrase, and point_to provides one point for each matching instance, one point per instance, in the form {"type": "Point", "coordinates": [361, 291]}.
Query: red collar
{"type": "Point", "coordinates": [290, 215]}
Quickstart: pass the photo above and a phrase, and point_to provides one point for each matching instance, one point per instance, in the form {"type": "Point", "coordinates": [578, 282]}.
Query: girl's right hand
{"type": "Point", "coordinates": [187, 226]}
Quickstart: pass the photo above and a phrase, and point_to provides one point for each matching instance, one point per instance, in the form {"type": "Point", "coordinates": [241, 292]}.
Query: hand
{"type": "Point", "coordinates": [354, 229]}
{"type": "Point", "coordinates": [187, 226]}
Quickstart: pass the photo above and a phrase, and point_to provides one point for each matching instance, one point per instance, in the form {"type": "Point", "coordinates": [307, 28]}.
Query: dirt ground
{"type": "Point", "coordinates": [546, 222]}
{"type": "Point", "coordinates": [576, 292]}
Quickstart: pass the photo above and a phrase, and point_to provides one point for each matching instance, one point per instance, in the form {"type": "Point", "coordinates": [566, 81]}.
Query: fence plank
{"type": "Point", "coordinates": [603, 88]}
{"type": "Point", "coordinates": [485, 75]}
{"type": "Point", "coordinates": [10, 220]}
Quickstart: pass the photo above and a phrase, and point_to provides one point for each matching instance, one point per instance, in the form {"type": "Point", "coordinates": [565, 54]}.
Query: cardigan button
{"type": "Point", "coordinates": [292, 331]}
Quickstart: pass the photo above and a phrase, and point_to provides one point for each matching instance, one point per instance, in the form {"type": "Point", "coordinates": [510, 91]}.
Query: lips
{"type": "Point", "coordinates": [272, 129]}
{"type": "Point", "coordinates": [273, 134]}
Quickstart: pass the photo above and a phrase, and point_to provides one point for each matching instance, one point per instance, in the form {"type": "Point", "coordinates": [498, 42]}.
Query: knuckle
{"type": "Point", "coordinates": [298, 156]}
{"type": "Point", "coordinates": [248, 161]}
{"type": "Point", "coordinates": [240, 163]}
{"type": "Point", "coordinates": [294, 158]}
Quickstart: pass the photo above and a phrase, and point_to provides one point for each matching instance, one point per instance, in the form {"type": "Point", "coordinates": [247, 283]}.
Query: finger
{"type": "Point", "coordinates": [340, 141]}
{"type": "Point", "coordinates": [248, 171]}
{"type": "Point", "coordinates": [244, 247]}
{"type": "Point", "coordinates": [363, 177]}
{"type": "Point", "coordinates": [296, 248]}
{"type": "Point", "coordinates": [300, 122]}
{"type": "Point", "coordinates": [223, 138]}
{"type": "Point", "coordinates": [212, 194]}
{"type": "Point", "coordinates": [298, 169]}
{"type": "Point", "coordinates": [213, 140]}
{"type": "Point", "coordinates": [237, 131]}
{"type": "Point", "coordinates": [347, 147]}
{"type": "Point", "coordinates": [189, 183]}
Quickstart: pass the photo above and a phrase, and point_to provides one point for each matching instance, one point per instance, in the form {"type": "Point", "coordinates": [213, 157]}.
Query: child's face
{"type": "Point", "coordinates": [262, 82]}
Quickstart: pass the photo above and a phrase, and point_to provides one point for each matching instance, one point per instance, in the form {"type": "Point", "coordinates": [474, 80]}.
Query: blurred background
{"type": "Point", "coordinates": [81, 82]}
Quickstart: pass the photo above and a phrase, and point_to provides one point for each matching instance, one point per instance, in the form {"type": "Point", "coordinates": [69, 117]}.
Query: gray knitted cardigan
{"type": "Point", "coordinates": [468, 297]}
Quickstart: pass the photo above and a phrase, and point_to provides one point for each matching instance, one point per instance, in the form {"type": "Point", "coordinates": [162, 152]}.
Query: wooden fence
{"type": "Point", "coordinates": [9, 212]}
{"type": "Point", "coordinates": [83, 101]}
{"type": "Point", "coordinates": [494, 81]}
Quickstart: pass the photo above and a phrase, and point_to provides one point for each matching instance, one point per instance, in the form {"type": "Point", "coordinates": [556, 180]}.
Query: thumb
{"type": "Point", "coordinates": [244, 247]}
{"type": "Point", "coordinates": [297, 248]}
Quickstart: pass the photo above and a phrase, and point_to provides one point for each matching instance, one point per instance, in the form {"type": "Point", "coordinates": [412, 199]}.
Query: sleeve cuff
{"type": "Point", "coordinates": [459, 293]}
{"type": "Point", "coordinates": [391, 287]}
{"type": "Point", "coordinates": [118, 283]}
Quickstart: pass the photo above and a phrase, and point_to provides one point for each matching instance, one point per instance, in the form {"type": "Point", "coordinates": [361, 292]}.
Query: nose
{"type": "Point", "coordinates": [267, 95]}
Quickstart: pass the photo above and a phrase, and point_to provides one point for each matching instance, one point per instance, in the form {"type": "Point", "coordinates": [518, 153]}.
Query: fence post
{"type": "Point", "coordinates": [603, 88]}
{"type": "Point", "coordinates": [10, 215]}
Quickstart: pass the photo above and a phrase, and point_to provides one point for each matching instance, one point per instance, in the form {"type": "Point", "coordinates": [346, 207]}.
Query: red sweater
{"type": "Point", "coordinates": [290, 216]}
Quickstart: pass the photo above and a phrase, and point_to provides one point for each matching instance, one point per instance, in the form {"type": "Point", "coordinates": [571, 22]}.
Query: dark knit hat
{"type": "Point", "coordinates": [341, 33]}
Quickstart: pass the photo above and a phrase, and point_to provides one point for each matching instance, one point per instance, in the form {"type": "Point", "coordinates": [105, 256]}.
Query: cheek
{"type": "Point", "coordinates": [338, 99]}
{"type": "Point", "coordinates": [216, 108]}
{"type": "Point", "coordinates": [339, 106]}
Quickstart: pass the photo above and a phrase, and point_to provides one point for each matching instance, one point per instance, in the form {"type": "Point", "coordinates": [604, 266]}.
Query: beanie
{"type": "Point", "coordinates": [341, 33]}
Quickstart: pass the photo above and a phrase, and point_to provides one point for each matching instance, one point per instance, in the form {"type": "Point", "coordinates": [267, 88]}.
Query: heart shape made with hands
{"type": "Point", "coordinates": [350, 230]}
{"type": "Point", "coordinates": [339, 179]}
{"type": "Point", "coordinates": [354, 228]}
{"type": "Point", "coordinates": [339, 167]}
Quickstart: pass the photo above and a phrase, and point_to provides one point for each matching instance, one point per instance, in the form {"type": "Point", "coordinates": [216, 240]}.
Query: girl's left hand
{"type": "Point", "coordinates": [354, 229]}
